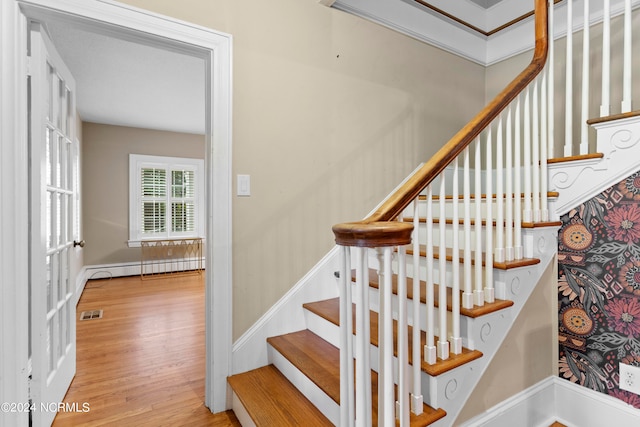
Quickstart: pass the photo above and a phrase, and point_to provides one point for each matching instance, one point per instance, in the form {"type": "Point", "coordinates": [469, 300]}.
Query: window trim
{"type": "Point", "coordinates": [138, 161]}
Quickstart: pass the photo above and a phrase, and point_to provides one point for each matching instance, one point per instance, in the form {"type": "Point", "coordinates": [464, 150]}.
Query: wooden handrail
{"type": "Point", "coordinates": [398, 201]}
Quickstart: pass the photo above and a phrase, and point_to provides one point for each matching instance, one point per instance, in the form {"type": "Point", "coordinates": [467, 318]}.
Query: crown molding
{"type": "Point", "coordinates": [483, 36]}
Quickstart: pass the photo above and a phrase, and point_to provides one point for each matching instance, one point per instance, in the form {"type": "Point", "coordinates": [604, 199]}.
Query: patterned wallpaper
{"type": "Point", "coordinates": [599, 289]}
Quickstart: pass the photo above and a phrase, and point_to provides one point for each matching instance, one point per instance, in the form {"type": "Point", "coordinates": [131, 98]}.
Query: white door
{"type": "Point", "coordinates": [53, 154]}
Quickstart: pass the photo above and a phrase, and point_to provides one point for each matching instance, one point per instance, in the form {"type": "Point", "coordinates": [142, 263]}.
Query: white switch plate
{"type": "Point", "coordinates": [630, 378]}
{"type": "Point", "coordinates": [244, 185]}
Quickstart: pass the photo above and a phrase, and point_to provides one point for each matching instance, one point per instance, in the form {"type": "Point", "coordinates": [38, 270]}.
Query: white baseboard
{"type": "Point", "coordinates": [583, 407]}
{"type": "Point", "coordinates": [107, 271]}
{"type": "Point", "coordinates": [555, 399]}
{"type": "Point", "coordinates": [81, 282]}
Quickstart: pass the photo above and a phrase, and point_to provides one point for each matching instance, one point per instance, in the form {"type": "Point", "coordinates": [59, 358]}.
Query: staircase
{"type": "Point", "coordinates": [305, 365]}
{"type": "Point", "coordinates": [450, 271]}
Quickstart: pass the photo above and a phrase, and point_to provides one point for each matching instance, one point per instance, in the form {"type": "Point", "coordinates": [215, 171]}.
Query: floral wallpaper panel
{"type": "Point", "coordinates": [599, 289]}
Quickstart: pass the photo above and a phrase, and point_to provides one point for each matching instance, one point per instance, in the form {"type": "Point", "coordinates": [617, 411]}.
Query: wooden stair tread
{"type": "Point", "coordinates": [320, 362]}
{"type": "Point", "coordinates": [271, 400]}
{"type": "Point", "coordinates": [505, 265]}
{"type": "Point", "coordinates": [449, 221]}
{"type": "Point", "coordinates": [613, 117]}
{"type": "Point", "coordinates": [475, 311]}
{"type": "Point", "coordinates": [550, 194]}
{"type": "Point", "coordinates": [330, 311]}
{"type": "Point", "coordinates": [575, 158]}
{"type": "Point", "coordinates": [315, 357]}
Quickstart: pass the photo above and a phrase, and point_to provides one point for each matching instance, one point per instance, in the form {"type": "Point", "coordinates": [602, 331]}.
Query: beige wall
{"type": "Point", "coordinates": [105, 183]}
{"type": "Point", "coordinates": [528, 354]}
{"type": "Point", "coordinates": [330, 112]}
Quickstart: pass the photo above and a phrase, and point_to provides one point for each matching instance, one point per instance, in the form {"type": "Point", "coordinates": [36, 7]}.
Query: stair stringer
{"type": "Point", "coordinates": [451, 390]}
{"type": "Point", "coordinates": [578, 181]}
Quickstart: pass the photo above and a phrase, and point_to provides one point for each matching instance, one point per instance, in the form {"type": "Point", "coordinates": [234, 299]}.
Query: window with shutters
{"type": "Point", "coordinates": [166, 198]}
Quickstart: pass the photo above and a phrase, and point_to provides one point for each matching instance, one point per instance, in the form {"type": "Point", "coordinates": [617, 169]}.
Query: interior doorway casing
{"type": "Point", "coordinates": [140, 26]}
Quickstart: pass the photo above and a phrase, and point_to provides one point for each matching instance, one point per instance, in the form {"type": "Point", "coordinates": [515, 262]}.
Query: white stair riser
{"type": "Point", "coordinates": [422, 208]}
{"type": "Point", "coordinates": [435, 236]}
{"type": "Point", "coordinates": [329, 331]}
{"type": "Point", "coordinates": [310, 390]}
{"type": "Point", "coordinates": [448, 272]}
{"type": "Point", "coordinates": [240, 411]}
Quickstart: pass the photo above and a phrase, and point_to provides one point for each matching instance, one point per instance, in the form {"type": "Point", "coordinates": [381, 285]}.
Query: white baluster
{"type": "Point", "coordinates": [627, 59]}
{"type": "Point", "coordinates": [488, 230]}
{"type": "Point", "coordinates": [584, 116]}
{"type": "Point", "coordinates": [517, 181]}
{"type": "Point", "coordinates": [605, 107]}
{"type": "Point", "coordinates": [535, 150]}
{"type": "Point", "coordinates": [499, 244]}
{"type": "Point", "coordinates": [386, 398]}
{"type": "Point", "coordinates": [509, 188]}
{"type": "Point", "coordinates": [403, 342]}
{"type": "Point", "coordinates": [363, 341]}
{"type": "Point", "coordinates": [544, 177]}
{"type": "Point", "coordinates": [430, 354]}
{"type": "Point", "coordinates": [417, 400]}
{"type": "Point", "coordinates": [527, 214]}
{"type": "Point", "coordinates": [456, 340]}
{"type": "Point", "coordinates": [478, 292]}
{"type": "Point", "coordinates": [443, 344]}
{"type": "Point", "coordinates": [467, 298]}
{"type": "Point", "coordinates": [568, 121]}
{"type": "Point", "coordinates": [347, 403]}
{"type": "Point", "coordinates": [551, 87]}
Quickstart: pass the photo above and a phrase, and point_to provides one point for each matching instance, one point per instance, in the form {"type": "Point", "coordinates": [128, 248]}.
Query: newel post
{"type": "Point", "coordinates": [355, 239]}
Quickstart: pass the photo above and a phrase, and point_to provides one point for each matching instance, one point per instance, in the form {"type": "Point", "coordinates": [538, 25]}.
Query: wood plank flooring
{"type": "Point", "coordinates": [143, 363]}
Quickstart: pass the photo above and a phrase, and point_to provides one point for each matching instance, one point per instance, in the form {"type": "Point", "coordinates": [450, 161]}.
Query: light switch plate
{"type": "Point", "coordinates": [244, 185]}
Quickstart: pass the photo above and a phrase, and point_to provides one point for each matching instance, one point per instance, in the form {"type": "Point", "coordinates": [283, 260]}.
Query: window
{"type": "Point", "coordinates": [166, 197]}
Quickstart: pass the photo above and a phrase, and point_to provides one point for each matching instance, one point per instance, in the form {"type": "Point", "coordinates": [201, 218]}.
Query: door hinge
{"type": "Point", "coordinates": [29, 69]}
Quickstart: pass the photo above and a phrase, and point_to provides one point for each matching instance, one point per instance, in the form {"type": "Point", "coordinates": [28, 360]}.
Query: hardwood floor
{"type": "Point", "coordinates": [142, 364]}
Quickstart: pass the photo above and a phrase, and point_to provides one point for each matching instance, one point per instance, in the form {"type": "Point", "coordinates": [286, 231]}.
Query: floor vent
{"type": "Point", "coordinates": [89, 315]}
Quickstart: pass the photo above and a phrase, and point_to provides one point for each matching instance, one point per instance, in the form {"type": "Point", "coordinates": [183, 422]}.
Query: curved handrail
{"type": "Point", "coordinates": [398, 201]}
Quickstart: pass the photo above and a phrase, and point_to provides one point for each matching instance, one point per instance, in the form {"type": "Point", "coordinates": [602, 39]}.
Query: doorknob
{"type": "Point", "coordinates": [78, 243]}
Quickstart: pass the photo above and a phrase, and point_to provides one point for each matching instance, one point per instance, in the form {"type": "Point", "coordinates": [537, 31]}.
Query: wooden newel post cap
{"type": "Point", "coordinates": [373, 234]}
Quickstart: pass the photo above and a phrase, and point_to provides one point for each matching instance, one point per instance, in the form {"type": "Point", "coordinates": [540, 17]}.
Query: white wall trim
{"type": "Point", "coordinates": [107, 271]}
{"type": "Point", "coordinates": [14, 228]}
{"type": "Point", "coordinates": [408, 18]}
{"type": "Point", "coordinates": [524, 407]}
{"type": "Point", "coordinates": [555, 399]}
{"type": "Point", "coordinates": [582, 407]}
{"type": "Point", "coordinates": [141, 26]}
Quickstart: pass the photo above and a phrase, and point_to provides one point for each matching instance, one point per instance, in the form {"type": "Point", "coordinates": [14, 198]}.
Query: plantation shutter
{"type": "Point", "coordinates": [154, 200]}
{"type": "Point", "coordinates": [183, 206]}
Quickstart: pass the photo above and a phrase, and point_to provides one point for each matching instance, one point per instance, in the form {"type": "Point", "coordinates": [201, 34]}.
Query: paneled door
{"type": "Point", "coordinates": [53, 188]}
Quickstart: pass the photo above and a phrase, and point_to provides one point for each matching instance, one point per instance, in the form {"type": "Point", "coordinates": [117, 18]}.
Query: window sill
{"type": "Point", "coordinates": [138, 243]}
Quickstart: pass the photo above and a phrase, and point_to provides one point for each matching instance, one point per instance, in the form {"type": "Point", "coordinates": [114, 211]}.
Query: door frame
{"type": "Point", "coordinates": [140, 26]}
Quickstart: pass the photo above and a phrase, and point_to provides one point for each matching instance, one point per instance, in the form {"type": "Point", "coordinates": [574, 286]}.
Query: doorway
{"type": "Point", "coordinates": [215, 49]}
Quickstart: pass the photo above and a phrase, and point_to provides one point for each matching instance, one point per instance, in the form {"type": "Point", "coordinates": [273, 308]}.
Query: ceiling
{"type": "Point", "coordinates": [125, 83]}
{"type": "Point", "coordinates": [486, 3]}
